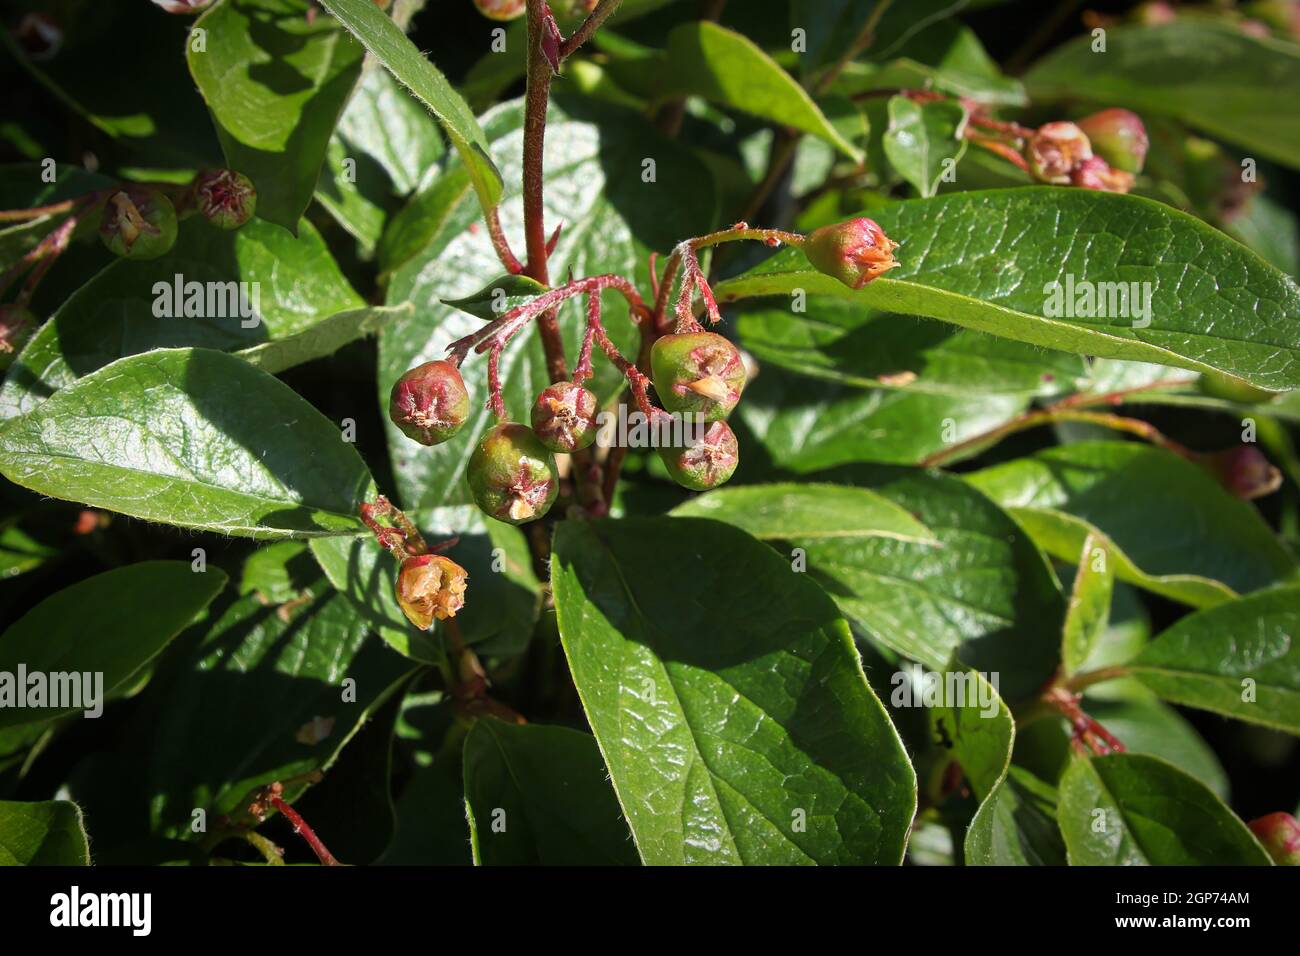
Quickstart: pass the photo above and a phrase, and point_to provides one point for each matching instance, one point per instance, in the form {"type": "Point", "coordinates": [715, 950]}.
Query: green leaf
{"type": "Point", "coordinates": [1000, 261]}
{"type": "Point", "coordinates": [263, 697]}
{"type": "Point", "coordinates": [20, 552]}
{"type": "Point", "coordinates": [708, 60]}
{"type": "Point", "coordinates": [540, 795]}
{"type": "Point", "coordinates": [275, 83]}
{"type": "Point", "coordinates": [137, 610]}
{"type": "Point", "coordinates": [51, 833]}
{"type": "Point", "coordinates": [1016, 825]}
{"type": "Point", "coordinates": [925, 140]}
{"type": "Point", "coordinates": [973, 723]}
{"type": "Point", "coordinates": [193, 438]}
{"type": "Point", "coordinates": [498, 297]}
{"type": "Point", "coordinates": [1131, 809]}
{"type": "Point", "coordinates": [1239, 658]}
{"type": "Point", "coordinates": [734, 716]}
{"type": "Point", "coordinates": [969, 584]}
{"type": "Point", "coordinates": [847, 343]}
{"type": "Point", "coordinates": [1150, 727]}
{"type": "Point", "coordinates": [296, 306]}
{"type": "Point", "coordinates": [1213, 76]}
{"type": "Point", "coordinates": [612, 220]}
{"type": "Point", "coordinates": [1088, 612]}
{"type": "Point", "coordinates": [383, 38]}
{"type": "Point", "coordinates": [1138, 500]}
{"type": "Point", "coordinates": [502, 601]}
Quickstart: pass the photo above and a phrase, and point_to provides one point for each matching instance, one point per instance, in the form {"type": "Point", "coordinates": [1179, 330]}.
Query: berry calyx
{"type": "Point", "coordinates": [512, 475]}
{"type": "Point", "coordinates": [707, 463]}
{"type": "Point", "coordinates": [854, 252]}
{"type": "Point", "coordinates": [429, 403]}
{"type": "Point", "coordinates": [430, 587]}
{"type": "Point", "coordinates": [1093, 173]}
{"type": "Point", "coordinates": [564, 417]}
{"type": "Point", "coordinates": [226, 198]}
{"type": "Point", "coordinates": [501, 9]}
{"type": "Point", "coordinates": [16, 327]}
{"type": "Point", "coordinates": [1118, 137]}
{"type": "Point", "coordinates": [1280, 834]}
{"type": "Point", "coordinates": [139, 223]}
{"type": "Point", "coordinates": [1055, 150]}
{"type": "Point", "coordinates": [699, 373]}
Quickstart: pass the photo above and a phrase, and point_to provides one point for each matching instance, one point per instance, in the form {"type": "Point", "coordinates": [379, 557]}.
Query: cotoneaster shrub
{"type": "Point", "coordinates": [481, 431]}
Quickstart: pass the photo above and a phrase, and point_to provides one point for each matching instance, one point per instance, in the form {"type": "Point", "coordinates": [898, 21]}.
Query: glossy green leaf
{"type": "Point", "coordinates": [1168, 526]}
{"type": "Point", "coordinates": [275, 82]}
{"type": "Point", "coordinates": [708, 60]}
{"type": "Point", "coordinates": [383, 38]}
{"type": "Point", "coordinates": [974, 724]}
{"type": "Point", "coordinates": [265, 696]}
{"type": "Point", "coordinates": [501, 604]}
{"type": "Point", "coordinates": [734, 716]}
{"type": "Point", "coordinates": [136, 609]}
{"type": "Point", "coordinates": [1150, 727]}
{"type": "Point", "coordinates": [1212, 75]}
{"type": "Point", "coordinates": [498, 297]}
{"type": "Point", "coordinates": [971, 584]}
{"type": "Point", "coordinates": [1000, 261]}
{"type": "Point", "coordinates": [612, 219]}
{"type": "Point", "coordinates": [1016, 825]}
{"type": "Point", "coordinates": [20, 552]}
{"type": "Point", "coordinates": [1088, 611]}
{"type": "Point", "coordinates": [295, 306]}
{"type": "Point", "coordinates": [848, 343]}
{"type": "Point", "coordinates": [51, 833]}
{"type": "Point", "coordinates": [925, 141]}
{"type": "Point", "coordinates": [1238, 658]}
{"type": "Point", "coordinates": [193, 438]}
{"type": "Point", "coordinates": [540, 795]}
{"type": "Point", "coordinates": [1130, 809]}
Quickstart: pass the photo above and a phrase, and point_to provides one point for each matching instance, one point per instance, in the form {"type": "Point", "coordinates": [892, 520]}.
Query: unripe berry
{"type": "Point", "coordinates": [501, 9]}
{"type": "Point", "coordinates": [707, 463]}
{"type": "Point", "coordinates": [1243, 471]}
{"type": "Point", "coordinates": [1055, 150]}
{"type": "Point", "coordinates": [512, 475]}
{"type": "Point", "coordinates": [429, 403]}
{"type": "Point", "coordinates": [564, 417]}
{"type": "Point", "coordinates": [1280, 834]}
{"type": "Point", "coordinates": [139, 223]}
{"type": "Point", "coordinates": [854, 252]}
{"type": "Point", "coordinates": [227, 199]}
{"type": "Point", "coordinates": [16, 327]}
{"type": "Point", "coordinates": [183, 6]}
{"type": "Point", "coordinates": [698, 373]}
{"type": "Point", "coordinates": [430, 587]}
{"type": "Point", "coordinates": [1093, 173]}
{"type": "Point", "coordinates": [1118, 137]}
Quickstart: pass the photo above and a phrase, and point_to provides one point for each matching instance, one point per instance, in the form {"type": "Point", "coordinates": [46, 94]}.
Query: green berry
{"type": "Point", "coordinates": [139, 223]}
{"type": "Point", "coordinates": [1118, 137]}
{"type": "Point", "coordinates": [708, 462]}
{"type": "Point", "coordinates": [564, 417]}
{"type": "Point", "coordinates": [698, 373]}
{"type": "Point", "coordinates": [429, 403]}
{"type": "Point", "coordinates": [512, 475]}
{"type": "Point", "coordinates": [227, 199]}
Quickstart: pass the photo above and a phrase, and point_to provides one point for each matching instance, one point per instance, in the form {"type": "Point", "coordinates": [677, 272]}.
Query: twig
{"type": "Point", "coordinates": [588, 27]}
{"type": "Point", "coordinates": [301, 828]}
{"type": "Point", "coordinates": [866, 36]}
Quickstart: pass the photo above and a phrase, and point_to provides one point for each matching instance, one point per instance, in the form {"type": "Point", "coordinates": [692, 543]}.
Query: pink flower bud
{"type": "Point", "coordinates": [1118, 137]}
{"type": "Point", "coordinates": [1280, 834]}
{"type": "Point", "coordinates": [855, 252]}
{"type": "Point", "coordinates": [1055, 150]}
{"type": "Point", "coordinates": [1094, 173]}
{"type": "Point", "coordinates": [429, 587]}
{"type": "Point", "coordinates": [1244, 471]}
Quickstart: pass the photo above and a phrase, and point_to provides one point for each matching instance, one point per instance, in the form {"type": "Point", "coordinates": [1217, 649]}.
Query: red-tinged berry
{"type": "Point", "coordinates": [1055, 150]}
{"type": "Point", "coordinates": [1119, 137]}
{"type": "Point", "coordinates": [564, 417]}
{"type": "Point", "coordinates": [226, 198]}
{"type": "Point", "coordinates": [1094, 173]}
{"type": "Point", "coordinates": [1243, 471]}
{"type": "Point", "coordinates": [138, 223]}
{"type": "Point", "coordinates": [707, 463]}
{"type": "Point", "coordinates": [1280, 834]}
{"type": "Point", "coordinates": [512, 475]}
{"type": "Point", "coordinates": [430, 587]}
{"type": "Point", "coordinates": [16, 327]}
{"type": "Point", "coordinates": [429, 403]}
{"type": "Point", "coordinates": [183, 6]}
{"type": "Point", "coordinates": [698, 373]}
{"type": "Point", "coordinates": [854, 252]}
{"type": "Point", "coordinates": [501, 9]}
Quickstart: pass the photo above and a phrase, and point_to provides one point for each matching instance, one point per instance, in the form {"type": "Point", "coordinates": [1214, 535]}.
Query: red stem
{"type": "Point", "coordinates": [301, 828]}
{"type": "Point", "coordinates": [588, 27]}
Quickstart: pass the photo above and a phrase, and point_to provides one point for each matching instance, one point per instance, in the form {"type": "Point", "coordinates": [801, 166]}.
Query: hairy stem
{"type": "Point", "coordinates": [588, 27]}
{"type": "Point", "coordinates": [301, 828]}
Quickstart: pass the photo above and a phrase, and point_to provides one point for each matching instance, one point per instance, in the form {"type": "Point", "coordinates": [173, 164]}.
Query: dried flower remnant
{"type": "Point", "coordinates": [854, 252]}
{"type": "Point", "coordinates": [430, 587]}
